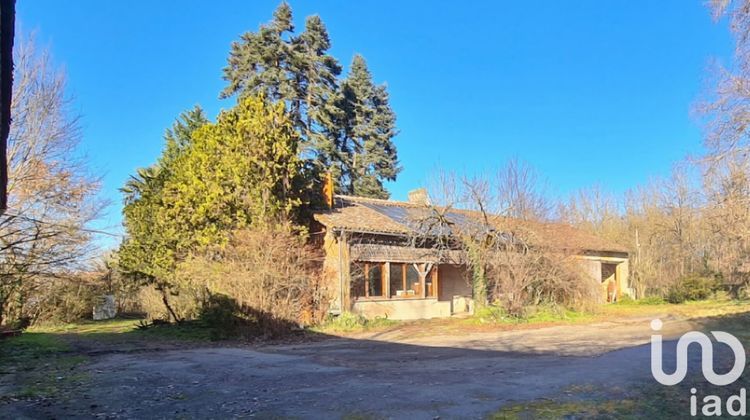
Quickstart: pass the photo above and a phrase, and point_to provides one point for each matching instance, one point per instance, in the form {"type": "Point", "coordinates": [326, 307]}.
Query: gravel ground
{"type": "Point", "coordinates": [384, 375]}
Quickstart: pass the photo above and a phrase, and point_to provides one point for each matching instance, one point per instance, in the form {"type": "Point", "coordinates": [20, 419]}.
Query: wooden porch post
{"type": "Point", "coordinates": [387, 280]}
{"type": "Point", "coordinates": [422, 270]}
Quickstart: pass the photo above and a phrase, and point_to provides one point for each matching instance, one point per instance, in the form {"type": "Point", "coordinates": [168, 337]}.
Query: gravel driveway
{"type": "Point", "coordinates": [385, 375]}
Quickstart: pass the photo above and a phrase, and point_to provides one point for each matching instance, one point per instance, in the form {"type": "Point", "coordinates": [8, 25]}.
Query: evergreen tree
{"type": "Point", "coordinates": [210, 180]}
{"type": "Point", "coordinates": [239, 171]}
{"type": "Point", "coordinates": [318, 72]}
{"type": "Point", "coordinates": [178, 138]}
{"type": "Point", "coordinates": [260, 63]}
{"type": "Point", "coordinates": [346, 131]}
{"type": "Point", "coordinates": [369, 127]}
{"type": "Point", "coordinates": [150, 250]}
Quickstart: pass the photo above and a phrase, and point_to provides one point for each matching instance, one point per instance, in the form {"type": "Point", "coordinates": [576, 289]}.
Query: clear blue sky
{"type": "Point", "coordinates": [586, 91]}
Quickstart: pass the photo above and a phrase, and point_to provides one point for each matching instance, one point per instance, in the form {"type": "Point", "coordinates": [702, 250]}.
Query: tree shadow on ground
{"type": "Point", "coordinates": [315, 373]}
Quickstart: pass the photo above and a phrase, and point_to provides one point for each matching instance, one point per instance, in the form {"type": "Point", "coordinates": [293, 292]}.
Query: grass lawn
{"type": "Point", "coordinates": [42, 361]}
{"type": "Point", "coordinates": [41, 364]}
{"type": "Point", "coordinates": [125, 329]}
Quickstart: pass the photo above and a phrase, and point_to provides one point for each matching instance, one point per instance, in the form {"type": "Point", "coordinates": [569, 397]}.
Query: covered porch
{"type": "Point", "coordinates": [406, 283]}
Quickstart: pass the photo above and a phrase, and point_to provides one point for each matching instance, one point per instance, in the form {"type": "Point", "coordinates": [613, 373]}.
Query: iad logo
{"type": "Point", "coordinates": [736, 405]}
{"type": "Point", "coordinates": [707, 357]}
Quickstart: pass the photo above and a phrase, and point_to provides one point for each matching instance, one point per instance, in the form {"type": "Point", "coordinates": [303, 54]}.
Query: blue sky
{"type": "Point", "coordinates": [588, 92]}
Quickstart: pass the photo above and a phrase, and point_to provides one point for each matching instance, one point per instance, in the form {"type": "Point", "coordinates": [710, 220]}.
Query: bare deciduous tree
{"type": "Point", "coordinates": [512, 264]}
{"type": "Point", "coordinates": [520, 192]}
{"type": "Point", "coordinates": [52, 197]}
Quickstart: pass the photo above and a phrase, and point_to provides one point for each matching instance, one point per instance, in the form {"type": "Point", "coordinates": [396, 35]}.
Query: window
{"type": "Point", "coordinates": [398, 281]}
{"type": "Point", "coordinates": [374, 279]}
{"type": "Point", "coordinates": [403, 279]}
{"type": "Point", "coordinates": [367, 279]}
{"type": "Point", "coordinates": [357, 274]}
{"type": "Point", "coordinates": [413, 282]}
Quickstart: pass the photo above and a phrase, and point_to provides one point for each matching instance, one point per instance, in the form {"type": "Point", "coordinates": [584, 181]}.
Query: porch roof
{"type": "Point", "coordinates": [403, 254]}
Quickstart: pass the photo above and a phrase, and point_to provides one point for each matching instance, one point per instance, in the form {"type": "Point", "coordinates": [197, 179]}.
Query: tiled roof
{"type": "Point", "coordinates": [371, 215]}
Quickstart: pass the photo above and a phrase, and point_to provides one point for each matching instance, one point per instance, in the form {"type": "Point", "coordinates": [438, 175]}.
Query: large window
{"type": "Point", "coordinates": [375, 279]}
{"type": "Point", "coordinates": [404, 281]}
{"type": "Point", "coordinates": [367, 279]}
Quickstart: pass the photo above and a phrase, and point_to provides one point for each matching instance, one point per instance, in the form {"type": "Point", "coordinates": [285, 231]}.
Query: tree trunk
{"type": "Point", "coordinates": [165, 300]}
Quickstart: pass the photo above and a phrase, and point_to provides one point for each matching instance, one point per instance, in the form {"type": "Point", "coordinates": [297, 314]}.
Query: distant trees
{"type": "Point", "coordinates": [345, 125]}
{"type": "Point", "coordinates": [52, 195]}
{"type": "Point", "coordinates": [728, 106]}
{"type": "Point", "coordinates": [661, 223]}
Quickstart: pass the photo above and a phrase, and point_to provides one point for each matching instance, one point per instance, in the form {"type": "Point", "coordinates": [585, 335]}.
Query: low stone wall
{"type": "Point", "coordinates": [403, 309]}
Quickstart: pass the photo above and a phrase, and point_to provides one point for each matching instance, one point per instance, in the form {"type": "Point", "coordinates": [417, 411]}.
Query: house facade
{"type": "Point", "coordinates": [373, 265]}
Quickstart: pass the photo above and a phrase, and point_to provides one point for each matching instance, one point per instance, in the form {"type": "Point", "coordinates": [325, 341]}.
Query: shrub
{"type": "Point", "coordinates": [222, 315]}
{"type": "Point", "coordinates": [60, 300]}
{"type": "Point", "coordinates": [185, 301]}
{"type": "Point", "coordinates": [493, 313]}
{"type": "Point", "coordinates": [268, 271]}
{"type": "Point", "coordinates": [694, 287]}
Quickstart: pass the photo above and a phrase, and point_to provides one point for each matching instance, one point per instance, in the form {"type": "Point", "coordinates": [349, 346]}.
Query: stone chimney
{"type": "Point", "coordinates": [419, 196]}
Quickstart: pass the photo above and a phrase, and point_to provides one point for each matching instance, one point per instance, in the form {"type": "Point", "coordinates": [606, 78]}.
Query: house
{"type": "Point", "coordinates": [379, 261]}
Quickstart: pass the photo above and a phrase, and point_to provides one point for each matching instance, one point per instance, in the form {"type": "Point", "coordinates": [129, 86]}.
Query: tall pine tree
{"type": "Point", "coordinates": [260, 62]}
{"type": "Point", "coordinates": [318, 72]}
{"type": "Point", "coordinates": [348, 130]}
{"type": "Point", "coordinates": [369, 127]}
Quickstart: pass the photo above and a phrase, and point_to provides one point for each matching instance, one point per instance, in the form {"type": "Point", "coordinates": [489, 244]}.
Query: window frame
{"type": "Point", "coordinates": [387, 271]}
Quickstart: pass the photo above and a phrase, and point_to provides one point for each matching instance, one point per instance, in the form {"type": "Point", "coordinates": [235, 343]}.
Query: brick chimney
{"type": "Point", "coordinates": [419, 196]}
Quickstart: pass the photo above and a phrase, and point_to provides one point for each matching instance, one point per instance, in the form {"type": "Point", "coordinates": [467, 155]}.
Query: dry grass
{"type": "Point", "coordinates": [486, 320]}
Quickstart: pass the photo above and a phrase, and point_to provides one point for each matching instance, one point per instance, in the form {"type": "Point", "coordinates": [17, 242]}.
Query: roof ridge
{"type": "Point", "coordinates": [384, 201]}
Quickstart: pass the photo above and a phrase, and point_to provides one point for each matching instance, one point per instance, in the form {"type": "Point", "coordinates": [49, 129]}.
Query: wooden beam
{"type": "Point", "coordinates": [386, 277]}
{"type": "Point", "coordinates": [367, 280]}
{"type": "Point", "coordinates": [435, 278]}
{"type": "Point", "coordinates": [404, 268]}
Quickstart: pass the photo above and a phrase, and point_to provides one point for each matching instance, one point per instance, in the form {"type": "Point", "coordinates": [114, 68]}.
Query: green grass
{"type": "Point", "coordinates": [41, 362]}
{"type": "Point", "coordinates": [650, 399]}
{"type": "Point", "coordinates": [539, 315]}
{"type": "Point", "coordinates": [84, 328]}
{"type": "Point", "coordinates": [691, 309]}
{"type": "Point", "coordinates": [127, 329]}
{"type": "Point", "coordinates": [44, 362]}
{"type": "Point", "coordinates": [651, 300]}
{"type": "Point", "coordinates": [349, 323]}
{"type": "Point", "coordinates": [186, 331]}
{"type": "Point", "coordinates": [548, 409]}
